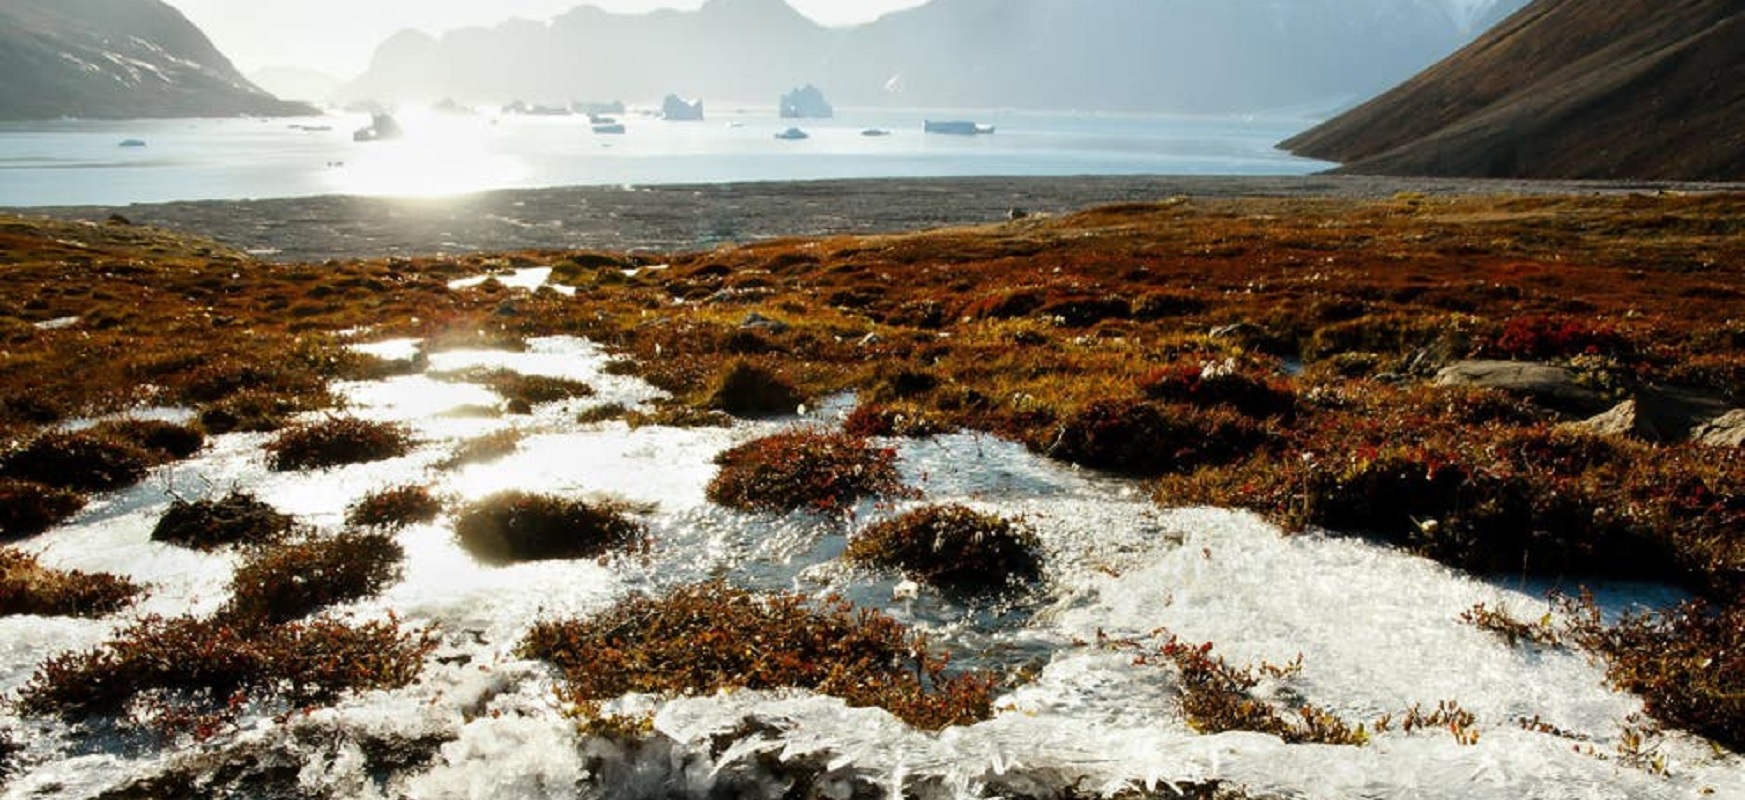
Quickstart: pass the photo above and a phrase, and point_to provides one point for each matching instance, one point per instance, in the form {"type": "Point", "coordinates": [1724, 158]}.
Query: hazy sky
{"type": "Point", "coordinates": [337, 36]}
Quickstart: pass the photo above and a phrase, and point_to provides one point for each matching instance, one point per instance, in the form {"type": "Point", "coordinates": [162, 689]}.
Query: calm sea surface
{"type": "Point", "coordinates": [82, 162]}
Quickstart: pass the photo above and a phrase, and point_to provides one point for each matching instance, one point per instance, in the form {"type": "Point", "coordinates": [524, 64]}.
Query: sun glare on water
{"type": "Point", "coordinates": [439, 155]}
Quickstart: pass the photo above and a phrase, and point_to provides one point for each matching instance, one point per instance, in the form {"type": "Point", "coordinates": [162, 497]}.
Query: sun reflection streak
{"type": "Point", "coordinates": [440, 155]}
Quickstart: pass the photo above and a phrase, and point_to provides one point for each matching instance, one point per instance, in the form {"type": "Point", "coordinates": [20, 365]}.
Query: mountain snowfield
{"type": "Point", "coordinates": [1377, 632]}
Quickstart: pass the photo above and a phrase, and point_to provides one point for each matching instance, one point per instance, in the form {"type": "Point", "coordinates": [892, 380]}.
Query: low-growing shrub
{"type": "Point", "coordinates": [677, 416]}
{"type": "Point", "coordinates": [483, 449]}
{"type": "Point", "coordinates": [394, 508]}
{"type": "Point", "coordinates": [169, 441]}
{"type": "Point", "coordinates": [1555, 337]}
{"type": "Point", "coordinates": [80, 461]}
{"type": "Point", "coordinates": [237, 518]}
{"type": "Point", "coordinates": [1511, 629]}
{"type": "Point", "coordinates": [336, 441]}
{"type": "Point", "coordinates": [1219, 383]}
{"type": "Point", "coordinates": [1136, 437]}
{"type": "Point", "coordinates": [1217, 697]}
{"type": "Point", "coordinates": [187, 674]}
{"type": "Point", "coordinates": [952, 547]}
{"type": "Point", "coordinates": [704, 638]}
{"type": "Point", "coordinates": [27, 587]}
{"type": "Point", "coordinates": [871, 419]}
{"type": "Point", "coordinates": [1686, 663]}
{"type": "Point", "coordinates": [28, 508]}
{"type": "Point", "coordinates": [534, 390]}
{"type": "Point", "coordinates": [1442, 337]}
{"type": "Point", "coordinates": [252, 411]}
{"type": "Point", "coordinates": [282, 582]}
{"type": "Point", "coordinates": [605, 412]}
{"type": "Point", "coordinates": [525, 390]}
{"type": "Point", "coordinates": [8, 749]}
{"type": "Point", "coordinates": [803, 469]}
{"type": "Point", "coordinates": [520, 526]}
{"type": "Point", "coordinates": [744, 389]}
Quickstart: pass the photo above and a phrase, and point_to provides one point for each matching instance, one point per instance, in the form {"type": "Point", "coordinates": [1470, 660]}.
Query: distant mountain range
{"type": "Point", "coordinates": [1616, 89]}
{"type": "Point", "coordinates": [117, 59]}
{"type": "Point", "coordinates": [1115, 55]}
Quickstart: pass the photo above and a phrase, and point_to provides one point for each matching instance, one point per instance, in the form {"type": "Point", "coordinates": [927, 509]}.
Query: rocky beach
{"type": "Point", "coordinates": [688, 217]}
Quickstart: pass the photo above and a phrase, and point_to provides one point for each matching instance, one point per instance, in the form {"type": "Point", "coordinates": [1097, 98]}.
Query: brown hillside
{"type": "Point", "coordinates": [1604, 89]}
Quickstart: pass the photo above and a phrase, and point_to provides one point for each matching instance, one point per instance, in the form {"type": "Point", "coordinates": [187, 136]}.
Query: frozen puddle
{"type": "Point", "coordinates": [1377, 631]}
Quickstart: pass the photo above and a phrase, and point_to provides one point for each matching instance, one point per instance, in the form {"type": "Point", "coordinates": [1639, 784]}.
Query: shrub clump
{"type": "Point", "coordinates": [677, 416]}
{"type": "Point", "coordinates": [336, 441]}
{"type": "Point", "coordinates": [166, 440]}
{"type": "Point", "coordinates": [694, 641]}
{"type": "Point", "coordinates": [1217, 697]}
{"type": "Point", "coordinates": [1219, 383]}
{"type": "Point", "coordinates": [27, 587]}
{"type": "Point", "coordinates": [747, 390]}
{"type": "Point", "coordinates": [250, 411]}
{"type": "Point", "coordinates": [524, 391]}
{"type": "Point", "coordinates": [483, 449]}
{"type": "Point", "coordinates": [394, 508]}
{"type": "Point", "coordinates": [187, 674]}
{"type": "Point", "coordinates": [283, 582]}
{"type": "Point", "coordinates": [952, 547]}
{"type": "Point", "coordinates": [1687, 664]}
{"type": "Point", "coordinates": [520, 526]}
{"type": "Point", "coordinates": [82, 461]}
{"type": "Point", "coordinates": [237, 518]}
{"type": "Point", "coordinates": [1136, 437]}
{"type": "Point", "coordinates": [28, 508]}
{"type": "Point", "coordinates": [804, 469]}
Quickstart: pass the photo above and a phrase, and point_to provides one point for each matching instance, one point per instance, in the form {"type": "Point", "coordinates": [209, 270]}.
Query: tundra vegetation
{"type": "Point", "coordinates": [1279, 355]}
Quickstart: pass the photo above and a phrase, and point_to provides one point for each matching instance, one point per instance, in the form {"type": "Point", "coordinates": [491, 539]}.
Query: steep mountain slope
{"type": "Point", "coordinates": [117, 58]}
{"type": "Point", "coordinates": [1178, 55]}
{"type": "Point", "coordinates": [1565, 89]}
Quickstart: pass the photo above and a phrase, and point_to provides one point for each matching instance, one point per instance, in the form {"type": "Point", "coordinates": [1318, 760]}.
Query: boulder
{"type": "Point", "coordinates": [1727, 430]}
{"type": "Point", "coordinates": [1665, 416]}
{"type": "Point", "coordinates": [1550, 386]}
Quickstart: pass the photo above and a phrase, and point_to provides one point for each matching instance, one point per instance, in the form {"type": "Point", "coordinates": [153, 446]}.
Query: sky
{"type": "Point", "coordinates": [338, 36]}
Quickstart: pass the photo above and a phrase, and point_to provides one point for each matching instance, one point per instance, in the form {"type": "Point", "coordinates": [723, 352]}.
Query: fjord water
{"type": "Point", "coordinates": [1377, 630]}
{"type": "Point", "coordinates": [81, 162]}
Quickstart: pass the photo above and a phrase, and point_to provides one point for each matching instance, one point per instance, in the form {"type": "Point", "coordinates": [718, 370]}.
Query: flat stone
{"type": "Point", "coordinates": [1548, 385]}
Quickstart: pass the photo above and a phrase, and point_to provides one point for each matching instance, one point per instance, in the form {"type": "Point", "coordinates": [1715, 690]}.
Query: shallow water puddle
{"type": "Point", "coordinates": [1378, 631]}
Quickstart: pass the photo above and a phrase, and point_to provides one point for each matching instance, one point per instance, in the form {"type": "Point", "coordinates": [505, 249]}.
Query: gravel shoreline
{"type": "Point", "coordinates": [689, 217]}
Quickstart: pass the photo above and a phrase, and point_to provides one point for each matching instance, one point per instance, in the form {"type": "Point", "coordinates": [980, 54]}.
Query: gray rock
{"type": "Point", "coordinates": [1624, 419]}
{"type": "Point", "coordinates": [1548, 385]}
{"type": "Point", "coordinates": [756, 321]}
{"type": "Point", "coordinates": [1665, 416]}
{"type": "Point", "coordinates": [1727, 430]}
